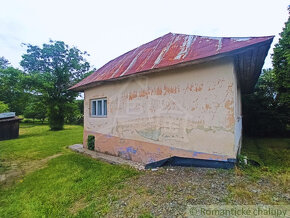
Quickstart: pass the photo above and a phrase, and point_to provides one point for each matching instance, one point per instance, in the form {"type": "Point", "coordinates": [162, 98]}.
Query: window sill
{"type": "Point", "coordinates": [98, 116]}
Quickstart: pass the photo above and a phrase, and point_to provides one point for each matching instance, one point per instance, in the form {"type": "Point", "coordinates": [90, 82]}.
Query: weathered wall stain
{"type": "Point", "coordinates": [229, 105]}
{"type": "Point", "coordinates": [191, 110]}
{"type": "Point", "coordinates": [133, 95]}
{"type": "Point", "coordinates": [152, 134]}
{"type": "Point", "coordinates": [143, 151]}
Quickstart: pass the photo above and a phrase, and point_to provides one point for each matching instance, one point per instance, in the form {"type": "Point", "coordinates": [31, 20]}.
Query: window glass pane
{"type": "Point", "coordinates": [93, 107]}
{"type": "Point", "coordinates": [100, 108]}
{"type": "Point", "coordinates": [105, 107]}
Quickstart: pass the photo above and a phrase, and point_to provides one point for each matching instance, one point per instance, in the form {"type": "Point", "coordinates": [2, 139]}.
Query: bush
{"type": "Point", "coordinates": [91, 142]}
{"type": "Point", "coordinates": [3, 107]}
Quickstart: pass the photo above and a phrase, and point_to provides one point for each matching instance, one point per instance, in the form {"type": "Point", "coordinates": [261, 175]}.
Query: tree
{"type": "Point", "coordinates": [261, 116]}
{"type": "Point", "coordinates": [4, 63]}
{"type": "Point", "coordinates": [281, 64]}
{"type": "Point", "coordinates": [54, 68]}
{"type": "Point", "coordinates": [36, 109]}
{"type": "Point", "coordinates": [12, 89]}
{"type": "Point", "coordinates": [75, 112]}
{"type": "Point", "coordinates": [3, 107]}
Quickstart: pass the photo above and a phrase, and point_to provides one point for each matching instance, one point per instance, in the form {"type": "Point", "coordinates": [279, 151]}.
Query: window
{"type": "Point", "coordinates": [99, 107]}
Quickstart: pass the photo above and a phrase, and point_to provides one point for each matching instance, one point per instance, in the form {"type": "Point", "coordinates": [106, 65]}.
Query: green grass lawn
{"type": "Point", "coordinates": [37, 142]}
{"type": "Point", "coordinates": [273, 154]}
{"type": "Point", "coordinates": [53, 181]}
{"type": "Point", "coordinates": [70, 184]}
{"type": "Point", "coordinates": [271, 178]}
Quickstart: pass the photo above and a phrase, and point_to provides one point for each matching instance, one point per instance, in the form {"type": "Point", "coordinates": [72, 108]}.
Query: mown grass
{"type": "Point", "coordinates": [36, 142]}
{"type": "Point", "coordinates": [269, 182]}
{"type": "Point", "coordinates": [69, 185]}
{"type": "Point", "coordinates": [271, 153]}
{"type": "Point", "coordinates": [57, 189]}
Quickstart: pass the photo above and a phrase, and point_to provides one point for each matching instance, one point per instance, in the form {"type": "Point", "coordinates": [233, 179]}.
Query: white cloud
{"type": "Point", "coordinates": [107, 29]}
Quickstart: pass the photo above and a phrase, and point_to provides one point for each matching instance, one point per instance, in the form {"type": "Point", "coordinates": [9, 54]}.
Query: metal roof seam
{"type": "Point", "coordinates": [169, 50]}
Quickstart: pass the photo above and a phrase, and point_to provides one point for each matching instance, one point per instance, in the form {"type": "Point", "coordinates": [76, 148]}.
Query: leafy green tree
{"type": "Point", "coordinates": [54, 68]}
{"type": "Point", "coordinates": [12, 89]}
{"type": "Point", "coordinates": [261, 116]}
{"type": "Point", "coordinates": [266, 111]}
{"type": "Point", "coordinates": [3, 107]}
{"type": "Point", "coordinates": [75, 112]}
{"type": "Point", "coordinates": [4, 63]}
{"type": "Point", "coordinates": [281, 64]}
{"type": "Point", "coordinates": [36, 109]}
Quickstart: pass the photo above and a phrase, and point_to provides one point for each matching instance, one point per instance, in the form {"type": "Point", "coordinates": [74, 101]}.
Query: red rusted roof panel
{"type": "Point", "coordinates": [168, 50]}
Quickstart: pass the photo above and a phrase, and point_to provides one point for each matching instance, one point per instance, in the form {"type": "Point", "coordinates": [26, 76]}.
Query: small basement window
{"type": "Point", "coordinates": [99, 107]}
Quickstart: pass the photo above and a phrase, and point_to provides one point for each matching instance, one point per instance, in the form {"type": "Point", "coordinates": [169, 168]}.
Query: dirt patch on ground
{"type": "Point", "coordinates": [78, 205]}
{"type": "Point", "coordinates": [18, 170]}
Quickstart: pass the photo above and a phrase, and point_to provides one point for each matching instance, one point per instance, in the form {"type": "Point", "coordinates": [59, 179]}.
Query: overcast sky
{"type": "Point", "coordinates": [107, 29]}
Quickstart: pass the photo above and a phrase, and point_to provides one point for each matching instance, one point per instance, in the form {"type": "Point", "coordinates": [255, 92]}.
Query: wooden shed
{"type": "Point", "coordinates": [9, 126]}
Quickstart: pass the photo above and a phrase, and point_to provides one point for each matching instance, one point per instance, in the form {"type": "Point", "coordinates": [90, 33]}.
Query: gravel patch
{"type": "Point", "coordinates": [168, 191]}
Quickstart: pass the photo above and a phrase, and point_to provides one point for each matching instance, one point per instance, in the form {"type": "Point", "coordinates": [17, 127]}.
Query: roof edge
{"type": "Point", "coordinates": [194, 62]}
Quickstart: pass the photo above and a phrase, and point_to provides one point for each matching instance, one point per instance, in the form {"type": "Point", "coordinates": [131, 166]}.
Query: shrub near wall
{"type": "Point", "coordinates": [91, 142]}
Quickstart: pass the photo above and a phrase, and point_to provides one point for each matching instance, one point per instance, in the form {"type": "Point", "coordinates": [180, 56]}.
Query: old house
{"type": "Point", "coordinates": [175, 99]}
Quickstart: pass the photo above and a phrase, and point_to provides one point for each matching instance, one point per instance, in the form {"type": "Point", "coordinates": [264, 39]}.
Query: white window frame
{"type": "Point", "coordinates": [102, 106]}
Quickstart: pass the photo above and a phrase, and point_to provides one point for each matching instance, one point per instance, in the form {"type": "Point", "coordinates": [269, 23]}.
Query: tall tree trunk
{"type": "Point", "coordinates": [56, 116]}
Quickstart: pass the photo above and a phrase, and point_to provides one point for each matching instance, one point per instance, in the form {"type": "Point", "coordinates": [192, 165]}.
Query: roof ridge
{"type": "Point", "coordinates": [170, 33]}
{"type": "Point", "coordinates": [169, 49]}
{"type": "Point", "coordinates": [133, 50]}
{"type": "Point", "coordinates": [222, 36]}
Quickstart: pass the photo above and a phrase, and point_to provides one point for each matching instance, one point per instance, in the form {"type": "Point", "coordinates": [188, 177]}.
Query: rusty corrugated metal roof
{"type": "Point", "coordinates": [168, 50]}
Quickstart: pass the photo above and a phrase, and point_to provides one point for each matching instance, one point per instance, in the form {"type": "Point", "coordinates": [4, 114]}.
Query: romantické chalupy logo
{"type": "Point", "coordinates": [238, 211]}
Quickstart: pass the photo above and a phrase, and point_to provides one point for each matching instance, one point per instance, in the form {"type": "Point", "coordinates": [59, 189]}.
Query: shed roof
{"type": "Point", "coordinates": [173, 50]}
